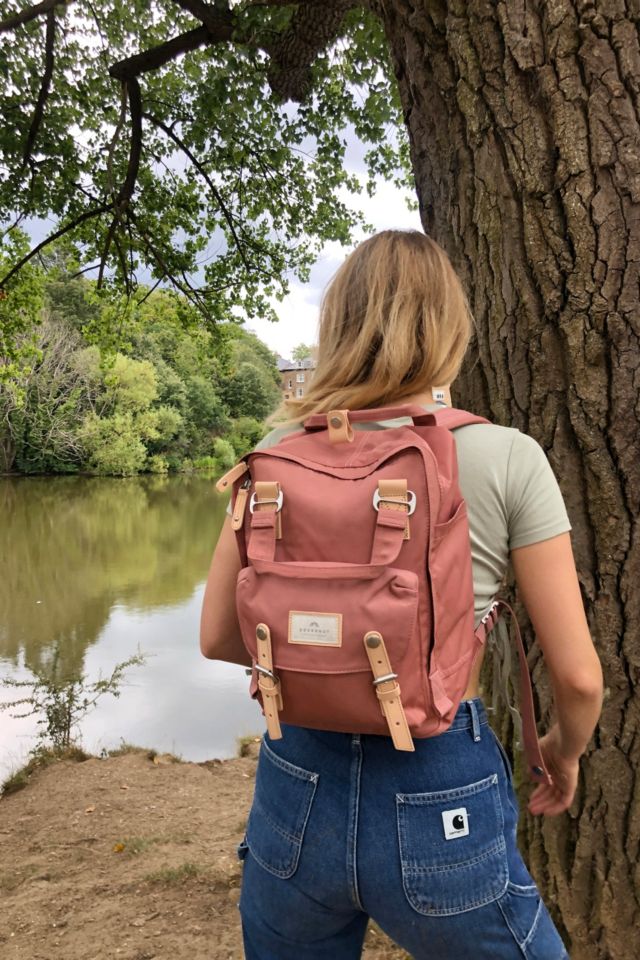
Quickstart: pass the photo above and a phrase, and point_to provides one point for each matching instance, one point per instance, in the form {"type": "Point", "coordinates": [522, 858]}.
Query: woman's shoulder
{"type": "Point", "coordinates": [496, 439]}
{"type": "Point", "coordinates": [274, 436]}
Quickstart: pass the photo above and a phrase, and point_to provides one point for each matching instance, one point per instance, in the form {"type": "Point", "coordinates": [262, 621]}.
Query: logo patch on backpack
{"type": "Point", "coordinates": [321, 629]}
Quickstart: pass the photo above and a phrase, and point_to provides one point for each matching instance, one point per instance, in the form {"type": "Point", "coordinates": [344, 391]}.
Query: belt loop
{"type": "Point", "coordinates": [475, 721]}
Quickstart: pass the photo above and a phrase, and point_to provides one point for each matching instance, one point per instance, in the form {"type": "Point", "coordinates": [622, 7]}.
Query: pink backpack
{"type": "Point", "coordinates": [355, 597]}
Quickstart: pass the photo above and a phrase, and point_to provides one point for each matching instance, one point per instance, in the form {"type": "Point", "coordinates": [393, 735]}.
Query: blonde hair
{"type": "Point", "coordinates": [394, 321]}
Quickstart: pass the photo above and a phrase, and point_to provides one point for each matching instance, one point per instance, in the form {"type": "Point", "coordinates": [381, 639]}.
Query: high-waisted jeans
{"type": "Point", "coordinates": [344, 827]}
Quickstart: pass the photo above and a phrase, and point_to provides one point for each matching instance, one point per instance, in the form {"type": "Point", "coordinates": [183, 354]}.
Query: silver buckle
{"type": "Point", "coordinates": [490, 611]}
{"type": "Point", "coordinates": [411, 501]}
{"type": "Point", "coordinates": [267, 673]}
{"type": "Point", "coordinates": [254, 500]}
{"type": "Point", "coordinates": [387, 676]}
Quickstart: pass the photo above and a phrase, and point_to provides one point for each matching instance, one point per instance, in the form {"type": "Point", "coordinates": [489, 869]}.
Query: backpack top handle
{"type": "Point", "coordinates": [338, 422]}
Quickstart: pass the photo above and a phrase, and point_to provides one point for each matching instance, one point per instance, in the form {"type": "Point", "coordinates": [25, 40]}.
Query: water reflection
{"type": "Point", "coordinates": [100, 567]}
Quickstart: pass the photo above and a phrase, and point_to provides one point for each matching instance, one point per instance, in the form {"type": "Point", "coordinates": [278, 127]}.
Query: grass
{"type": "Point", "coordinates": [133, 846]}
{"type": "Point", "coordinates": [41, 757]}
{"type": "Point", "coordinates": [246, 745]}
{"type": "Point", "coordinates": [172, 876]}
{"type": "Point", "coordinates": [128, 748]}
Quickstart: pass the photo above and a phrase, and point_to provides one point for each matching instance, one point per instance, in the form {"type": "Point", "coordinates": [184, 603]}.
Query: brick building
{"type": "Point", "coordinates": [295, 376]}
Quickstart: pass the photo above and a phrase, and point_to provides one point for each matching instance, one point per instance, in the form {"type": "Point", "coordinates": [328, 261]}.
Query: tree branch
{"type": "Point", "coordinates": [209, 16]}
{"type": "Point", "coordinates": [135, 150]}
{"type": "Point", "coordinates": [125, 193]}
{"type": "Point", "coordinates": [45, 86]}
{"type": "Point", "coordinates": [312, 29]}
{"type": "Point", "coordinates": [26, 16]}
{"type": "Point", "coordinates": [158, 257]}
{"type": "Point", "coordinates": [87, 215]}
{"type": "Point", "coordinates": [205, 176]}
{"type": "Point", "coordinates": [156, 57]}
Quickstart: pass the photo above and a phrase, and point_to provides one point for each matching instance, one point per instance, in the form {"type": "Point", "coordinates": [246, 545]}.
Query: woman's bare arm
{"type": "Point", "coordinates": [548, 584]}
{"type": "Point", "coordinates": [220, 637]}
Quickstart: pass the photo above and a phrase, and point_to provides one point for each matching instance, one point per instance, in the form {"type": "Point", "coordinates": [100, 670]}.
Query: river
{"type": "Point", "coordinates": [95, 570]}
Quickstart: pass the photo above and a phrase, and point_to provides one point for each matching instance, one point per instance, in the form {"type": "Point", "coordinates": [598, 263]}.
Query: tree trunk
{"type": "Point", "coordinates": [523, 120]}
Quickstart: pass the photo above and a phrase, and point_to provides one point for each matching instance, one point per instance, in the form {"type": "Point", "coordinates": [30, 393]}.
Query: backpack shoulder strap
{"type": "Point", "coordinates": [451, 417]}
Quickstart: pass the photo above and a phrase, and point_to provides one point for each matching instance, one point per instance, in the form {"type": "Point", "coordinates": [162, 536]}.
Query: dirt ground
{"type": "Point", "coordinates": [132, 856]}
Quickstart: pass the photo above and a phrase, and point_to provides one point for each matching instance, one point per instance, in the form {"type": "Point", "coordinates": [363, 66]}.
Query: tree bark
{"type": "Point", "coordinates": [523, 121]}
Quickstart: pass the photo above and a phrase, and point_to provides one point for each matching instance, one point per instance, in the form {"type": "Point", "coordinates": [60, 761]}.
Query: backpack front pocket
{"type": "Point", "coordinates": [318, 626]}
{"type": "Point", "coordinates": [281, 806]}
{"type": "Point", "coordinates": [452, 847]}
{"type": "Point", "coordinates": [317, 632]}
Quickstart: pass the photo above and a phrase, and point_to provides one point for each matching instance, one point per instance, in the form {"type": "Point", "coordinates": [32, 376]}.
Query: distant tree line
{"type": "Point", "coordinates": [165, 394]}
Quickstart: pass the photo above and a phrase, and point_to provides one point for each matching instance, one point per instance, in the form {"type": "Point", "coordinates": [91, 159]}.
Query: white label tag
{"type": "Point", "coordinates": [456, 823]}
{"type": "Point", "coordinates": [322, 629]}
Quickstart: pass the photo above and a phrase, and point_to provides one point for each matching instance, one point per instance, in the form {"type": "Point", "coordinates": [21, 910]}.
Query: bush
{"type": "Point", "coordinates": [206, 463]}
{"type": "Point", "coordinates": [114, 445]}
{"type": "Point", "coordinates": [157, 464]}
{"type": "Point", "coordinates": [224, 453]}
{"type": "Point", "coordinates": [247, 431]}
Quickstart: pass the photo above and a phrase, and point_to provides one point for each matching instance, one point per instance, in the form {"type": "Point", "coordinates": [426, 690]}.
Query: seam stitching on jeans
{"type": "Point", "coordinates": [352, 864]}
{"type": "Point", "coordinates": [534, 925]}
{"type": "Point", "coordinates": [288, 767]}
{"type": "Point", "coordinates": [506, 920]}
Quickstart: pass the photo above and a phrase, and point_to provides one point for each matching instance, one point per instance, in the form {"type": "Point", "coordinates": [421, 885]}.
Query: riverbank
{"type": "Point", "coordinates": [130, 856]}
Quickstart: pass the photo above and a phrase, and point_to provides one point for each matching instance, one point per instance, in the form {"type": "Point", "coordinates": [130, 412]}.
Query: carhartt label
{"type": "Point", "coordinates": [324, 629]}
{"type": "Point", "coordinates": [456, 823]}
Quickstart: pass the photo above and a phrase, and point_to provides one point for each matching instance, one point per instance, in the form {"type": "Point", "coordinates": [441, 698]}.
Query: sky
{"type": "Point", "coordinates": [298, 312]}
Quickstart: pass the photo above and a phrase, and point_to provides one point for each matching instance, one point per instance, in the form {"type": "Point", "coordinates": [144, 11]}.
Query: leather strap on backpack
{"type": "Point", "coordinates": [535, 761]}
{"type": "Point", "coordinates": [390, 531]}
{"type": "Point", "coordinates": [388, 691]}
{"type": "Point", "coordinates": [268, 683]}
{"type": "Point", "coordinates": [393, 493]}
{"type": "Point", "coordinates": [266, 525]}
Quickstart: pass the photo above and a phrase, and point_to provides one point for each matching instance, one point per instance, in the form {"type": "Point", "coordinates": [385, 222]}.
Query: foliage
{"type": "Point", "coordinates": [61, 701]}
{"type": "Point", "coordinates": [20, 305]}
{"type": "Point", "coordinates": [302, 352]}
{"type": "Point", "coordinates": [184, 158]}
{"type": "Point", "coordinates": [173, 393]}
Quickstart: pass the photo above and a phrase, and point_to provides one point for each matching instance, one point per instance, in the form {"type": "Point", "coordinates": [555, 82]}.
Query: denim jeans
{"type": "Point", "coordinates": [344, 827]}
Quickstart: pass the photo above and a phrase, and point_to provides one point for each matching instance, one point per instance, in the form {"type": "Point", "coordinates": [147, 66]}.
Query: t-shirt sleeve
{"type": "Point", "coordinates": [535, 506]}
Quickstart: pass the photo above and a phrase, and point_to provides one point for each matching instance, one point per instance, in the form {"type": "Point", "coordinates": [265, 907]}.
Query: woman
{"type": "Point", "coordinates": [395, 324]}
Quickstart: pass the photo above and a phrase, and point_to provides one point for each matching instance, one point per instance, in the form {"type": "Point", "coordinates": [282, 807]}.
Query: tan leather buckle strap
{"type": "Point", "coordinates": [393, 493]}
{"type": "Point", "coordinates": [391, 523]}
{"type": "Point", "coordinates": [387, 691]}
{"type": "Point", "coordinates": [339, 426]}
{"type": "Point", "coordinates": [227, 478]}
{"type": "Point", "coordinates": [240, 506]}
{"type": "Point", "coordinates": [268, 682]}
{"type": "Point", "coordinates": [268, 490]}
{"type": "Point", "coordinates": [266, 526]}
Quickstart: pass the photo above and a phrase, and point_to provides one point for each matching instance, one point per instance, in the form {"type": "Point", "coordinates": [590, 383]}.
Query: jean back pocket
{"type": "Point", "coordinates": [278, 818]}
{"type": "Point", "coordinates": [452, 847]}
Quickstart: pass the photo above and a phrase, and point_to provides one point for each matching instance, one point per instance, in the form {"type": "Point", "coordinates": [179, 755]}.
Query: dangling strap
{"type": "Point", "coordinates": [268, 683]}
{"type": "Point", "coordinates": [535, 762]}
{"type": "Point", "coordinates": [227, 478]}
{"type": "Point", "coordinates": [388, 691]}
